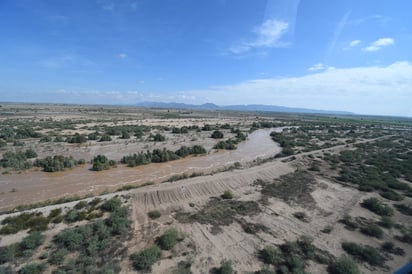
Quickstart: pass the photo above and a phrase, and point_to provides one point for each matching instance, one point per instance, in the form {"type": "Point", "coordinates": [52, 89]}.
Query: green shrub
{"type": "Point", "coordinates": [154, 214]}
{"type": "Point", "coordinates": [58, 256]}
{"type": "Point", "coordinates": [70, 238]}
{"type": "Point", "coordinates": [111, 205]}
{"type": "Point", "coordinates": [270, 255]}
{"type": "Point", "coordinates": [386, 222]}
{"type": "Point", "coordinates": [217, 134]}
{"type": "Point", "coordinates": [100, 162]}
{"type": "Point", "coordinates": [169, 239]}
{"type": "Point", "coordinates": [32, 221]}
{"type": "Point", "coordinates": [344, 265]}
{"type": "Point", "coordinates": [404, 209]}
{"type": "Point", "coordinates": [105, 138]}
{"type": "Point", "coordinates": [372, 230]}
{"type": "Point", "coordinates": [327, 229]}
{"type": "Point", "coordinates": [390, 247]}
{"type": "Point", "coordinates": [226, 267]}
{"type": "Point", "coordinates": [364, 253]}
{"type": "Point", "coordinates": [227, 195]}
{"type": "Point", "coordinates": [32, 241]}
{"type": "Point", "coordinates": [377, 207]}
{"type": "Point", "coordinates": [391, 195]}
{"type": "Point", "coordinates": [32, 269]}
{"type": "Point", "coordinates": [349, 223]}
{"type": "Point", "coordinates": [145, 259]}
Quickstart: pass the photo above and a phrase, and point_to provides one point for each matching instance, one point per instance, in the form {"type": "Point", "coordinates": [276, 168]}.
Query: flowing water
{"type": "Point", "coordinates": [35, 186]}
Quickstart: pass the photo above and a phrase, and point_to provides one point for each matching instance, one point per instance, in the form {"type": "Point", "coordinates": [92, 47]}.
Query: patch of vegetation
{"type": "Point", "coordinates": [364, 253]}
{"type": "Point", "coordinates": [168, 239]}
{"type": "Point", "coordinates": [293, 188]}
{"type": "Point", "coordinates": [77, 139]}
{"type": "Point", "coordinates": [227, 195]}
{"type": "Point", "coordinates": [160, 156]}
{"type": "Point", "coordinates": [349, 223]}
{"type": "Point", "coordinates": [25, 249]}
{"type": "Point", "coordinates": [300, 215]}
{"type": "Point", "coordinates": [372, 230]}
{"type": "Point", "coordinates": [344, 265]}
{"type": "Point", "coordinates": [32, 221]}
{"type": "Point", "coordinates": [154, 214]}
{"type": "Point", "coordinates": [406, 236]}
{"type": "Point", "coordinates": [18, 160]}
{"type": "Point", "coordinates": [217, 134]}
{"type": "Point", "coordinates": [157, 137]}
{"type": "Point", "coordinates": [219, 212]}
{"type": "Point", "coordinates": [100, 162]}
{"type": "Point", "coordinates": [111, 205]}
{"type": "Point", "coordinates": [391, 248]}
{"type": "Point", "coordinates": [291, 257]}
{"type": "Point", "coordinates": [377, 207]}
{"type": "Point", "coordinates": [92, 248]}
{"type": "Point", "coordinates": [226, 267]}
{"type": "Point", "coordinates": [56, 163]}
{"type": "Point", "coordinates": [145, 259]}
{"type": "Point", "coordinates": [404, 209]}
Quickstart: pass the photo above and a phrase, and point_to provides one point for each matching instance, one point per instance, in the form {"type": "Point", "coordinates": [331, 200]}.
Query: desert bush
{"type": "Point", "coordinates": [364, 253]}
{"type": "Point", "coordinates": [391, 195]}
{"type": "Point", "coordinates": [406, 235]}
{"type": "Point", "coordinates": [344, 265]}
{"type": "Point", "coordinates": [32, 241]}
{"type": "Point", "coordinates": [327, 229]}
{"type": "Point", "coordinates": [56, 163]}
{"type": "Point", "coordinates": [105, 138]}
{"type": "Point", "coordinates": [300, 215]}
{"type": "Point", "coordinates": [32, 221]}
{"type": "Point", "coordinates": [270, 255]}
{"type": "Point", "coordinates": [30, 153]}
{"type": "Point", "coordinates": [217, 134]}
{"type": "Point", "coordinates": [386, 222]}
{"type": "Point", "coordinates": [77, 138]}
{"type": "Point", "coordinates": [154, 214]}
{"type": "Point", "coordinates": [227, 195]}
{"type": "Point", "coordinates": [391, 248]}
{"type": "Point", "coordinates": [226, 267]}
{"type": "Point", "coordinates": [169, 239]}
{"type": "Point", "coordinates": [17, 161]}
{"type": "Point", "coordinates": [349, 223]}
{"type": "Point", "coordinates": [111, 204]}
{"type": "Point", "coordinates": [58, 256]}
{"type": "Point", "coordinates": [100, 162]}
{"type": "Point", "coordinates": [117, 221]}
{"type": "Point", "coordinates": [404, 209]}
{"type": "Point", "coordinates": [372, 230]}
{"type": "Point", "coordinates": [32, 268]}
{"type": "Point", "coordinates": [71, 239]}
{"type": "Point", "coordinates": [145, 259]}
{"type": "Point", "coordinates": [158, 137]}
{"type": "Point", "coordinates": [377, 207]}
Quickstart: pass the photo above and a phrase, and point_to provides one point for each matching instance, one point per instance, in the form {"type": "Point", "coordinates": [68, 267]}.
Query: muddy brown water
{"type": "Point", "coordinates": [35, 186]}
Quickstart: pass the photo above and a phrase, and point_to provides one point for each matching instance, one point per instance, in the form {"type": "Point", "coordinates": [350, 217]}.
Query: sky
{"type": "Point", "coordinates": [331, 55]}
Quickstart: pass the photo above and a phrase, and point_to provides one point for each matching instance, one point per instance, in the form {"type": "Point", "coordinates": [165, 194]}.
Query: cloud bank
{"type": "Point", "coordinates": [268, 35]}
{"type": "Point", "coordinates": [379, 44]}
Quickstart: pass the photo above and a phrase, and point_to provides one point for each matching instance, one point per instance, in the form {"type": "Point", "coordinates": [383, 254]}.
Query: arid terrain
{"type": "Point", "coordinates": [98, 189]}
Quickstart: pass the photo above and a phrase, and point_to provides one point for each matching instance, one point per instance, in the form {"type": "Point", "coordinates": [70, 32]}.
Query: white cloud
{"type": "Point", "coordinates": [122, 55]}
{"type": "Point", "coordinates": [380, 43]}
{"type": "Point", "coordinates": [354, 43]}
{"type": "Point", "coordinates": [317, 67]}
{"type": "Point", "coordinates": [381, 90]}
{"type": "Point", "coordinates": [267, 36]}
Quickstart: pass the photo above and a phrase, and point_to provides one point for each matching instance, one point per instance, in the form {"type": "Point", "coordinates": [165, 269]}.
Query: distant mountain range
{"type": "Point", "coordinates": [211, 106]}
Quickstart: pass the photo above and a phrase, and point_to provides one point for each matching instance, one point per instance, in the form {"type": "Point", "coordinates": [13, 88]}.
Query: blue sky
{"type": "Point", "coordinates": [338, 55]}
